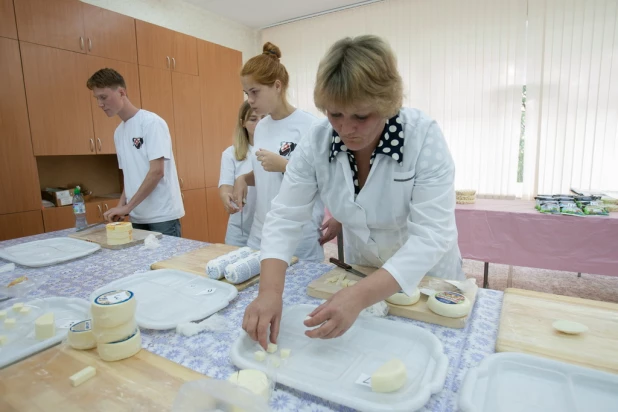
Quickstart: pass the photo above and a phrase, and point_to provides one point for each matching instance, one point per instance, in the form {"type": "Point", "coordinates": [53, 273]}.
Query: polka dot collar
{"type": "Point", "coordinates": [390, 144]}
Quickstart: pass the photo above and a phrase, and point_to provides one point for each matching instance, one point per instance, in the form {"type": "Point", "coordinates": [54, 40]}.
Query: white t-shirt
{"type": "Point", "coordinates": [281, 137]}
{"type": "Point", "coordinates": [143, 138]}
{"type": "Point", "coordinates": [230, 170]}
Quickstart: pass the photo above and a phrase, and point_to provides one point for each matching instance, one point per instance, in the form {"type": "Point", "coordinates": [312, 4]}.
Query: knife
{"type": "Point", "coordinates": [98, 224]}
{"type": "Point", "coordinates": [347, 267]}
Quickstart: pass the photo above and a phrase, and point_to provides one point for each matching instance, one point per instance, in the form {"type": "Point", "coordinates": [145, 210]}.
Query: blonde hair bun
{"type": "Point", "coordinates": [271, 50]}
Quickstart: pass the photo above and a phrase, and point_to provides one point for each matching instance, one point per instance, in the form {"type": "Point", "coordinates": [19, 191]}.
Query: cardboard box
{"type": "Point", "coordinates": [59, 196]}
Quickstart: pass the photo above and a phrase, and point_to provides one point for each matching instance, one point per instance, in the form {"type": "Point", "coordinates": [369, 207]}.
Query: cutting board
{"type": "Point", "coordinates": [99, 235]}
{"type": "Point", "coordinates": [144, 382]}
{"type": "Point", "coordinates": [196, 260]}
{"type": "Point", "coordinates": [321, 289]}
{"type": "Point", "coordinates": [526, 326]}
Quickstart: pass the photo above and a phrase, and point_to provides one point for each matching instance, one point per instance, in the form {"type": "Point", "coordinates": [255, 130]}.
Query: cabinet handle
{"type": "Point", "coordinates": [168, 61]}
{"type": "Point", "coordinates": [89, 44]}
{"type": "Point", "coordinates": [174, 63]}
{"type": "Point", "coordinates": [182, 183]}
{"type": "Point", "coordinates": [81, 42]}
{"type": "Point", "coordinates": [106, 207]}
{"type": "Point", "coordinates": [99, 141]}
{"type": "Point", "coordinates": [100, 212]}
{"type": "Point", "coordinates": [91, 145]}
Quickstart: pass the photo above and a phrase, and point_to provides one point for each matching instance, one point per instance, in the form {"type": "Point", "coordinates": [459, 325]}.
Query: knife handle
{"type": "Point", "coordinates": [341, 264]}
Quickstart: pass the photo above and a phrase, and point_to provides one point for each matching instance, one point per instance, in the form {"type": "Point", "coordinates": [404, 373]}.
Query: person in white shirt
{"type": "Point", "coordinates": [235, 161]}
{"type": "Point", "coordinates": [383, 171]}
{"type": "Point", "coordinates": [265, 81]}
{"type": "Point", "coordinates": [151, 195]}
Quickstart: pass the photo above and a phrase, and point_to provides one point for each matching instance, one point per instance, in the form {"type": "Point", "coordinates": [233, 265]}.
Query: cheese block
{"type": "Point", "coordinates": [123, 349]}
{"type": "Point", "coordinates": [285, 353]}
{"type": "Point", "coordinates": [45, 326]}
{"type": "Point", "coordinates": [403, 299]}
{"type": "Point", "coordinates": [271, 348]}
{"type": "Point", "coordinates": [113, 308]}
{"type": "Point", "coordinates": [259, 355]}
{"type": "Point", "coordinates": [389, 377]}
{"type": "Point", "coordinates": [9, 323]}
{"type": "Point", "coordinates": [17, 307]}
{"type": "Point", "coordinates": [252, 379]}
{"type": "Point", "coordinates": [449, 304]}
{"type": "Point", "coordinates": [3, 340]}
{"type": "Point", "coordinates": [80, 335]}
{"type": "Point", "coordinates": [120, 332]}
{"type": "Point", "coordinates": [119, 233]}
{"type": "Point", "coordinates": [2, 314]}
{"type": "Point", "coordinates": [25, 311]}
{"type": "Point", "coordinates": [82, 376]}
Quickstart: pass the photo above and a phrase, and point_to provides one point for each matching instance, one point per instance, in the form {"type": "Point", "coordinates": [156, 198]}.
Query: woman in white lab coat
{"type": "Point", "coordinates": [383, 171]}
{"type": "Point", "coordinates": [235, 161]}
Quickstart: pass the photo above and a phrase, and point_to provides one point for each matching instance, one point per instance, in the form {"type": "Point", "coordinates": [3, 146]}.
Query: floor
{"type": "Point", "coordinates": [595, 287]}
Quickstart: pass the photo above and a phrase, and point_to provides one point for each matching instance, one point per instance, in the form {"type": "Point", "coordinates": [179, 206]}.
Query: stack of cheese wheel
{"type": "Point", "coordinates": [119, 233]}
{"type": "Point", "coordinates": [465, 197]}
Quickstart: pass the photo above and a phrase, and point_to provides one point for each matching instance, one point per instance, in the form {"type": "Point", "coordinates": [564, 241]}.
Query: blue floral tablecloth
{"type": "Point", "coordinates": [208, 353]}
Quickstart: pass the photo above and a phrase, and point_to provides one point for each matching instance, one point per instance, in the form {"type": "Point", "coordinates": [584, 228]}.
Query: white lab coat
{"type": "Point", "coordinates": [230, 170]}
{"type": "Point", "coordinates": [402, 220]}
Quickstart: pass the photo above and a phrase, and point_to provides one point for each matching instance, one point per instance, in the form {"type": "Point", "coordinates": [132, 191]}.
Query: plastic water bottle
{"type": "Point", "coordinates": [79, 208]}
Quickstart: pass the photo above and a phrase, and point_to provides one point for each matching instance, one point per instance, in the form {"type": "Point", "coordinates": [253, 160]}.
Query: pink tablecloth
{"type": "Point", "coordinates": [512, 232]}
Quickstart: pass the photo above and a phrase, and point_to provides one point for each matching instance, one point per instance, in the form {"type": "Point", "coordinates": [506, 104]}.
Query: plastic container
{"type": "Point", "coordinates": [79, 208]}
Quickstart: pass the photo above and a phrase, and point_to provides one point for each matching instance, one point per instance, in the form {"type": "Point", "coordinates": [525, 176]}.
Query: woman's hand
{"type": "Point", "coordinates": [271, 162]}
{"type": "Point", "coordinates": [336, 315]}
{"type": "Point", "coordinates": [332, 228]}
{"type": "Point", "coordinates": [239, 195]}
{"type": "Point", "coordinates": [262, 314]}
{"type": "Point", "coordinates": [229, 204]}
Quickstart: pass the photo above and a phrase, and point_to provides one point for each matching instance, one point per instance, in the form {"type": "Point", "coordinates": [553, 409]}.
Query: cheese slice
{"type": "Point", "coordinates": [123, 349]}
{"type": "Point", "coordinates": [403, 299]}
{"type": "Point", "coordinates": [45, 326]}
{"type": "Point", "coordinates": [113, 308]}
{"type": "Point", "coordinates": [82, 376]}
{"type": "Point", "coordinates": [389, 377]}
{"type": "Point", "coordinates": [120, 332]}
{"type": "Point", "coordinates": [80, 335]}
{"type": "Point", "coordinates": [252, 379]}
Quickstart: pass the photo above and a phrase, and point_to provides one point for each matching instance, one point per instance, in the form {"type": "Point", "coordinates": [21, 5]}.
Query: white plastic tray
{"type": "Point", "coordinates": [48, 251]}
{"type": "Point", "coordinates": [21, 340]}
{"type": "Point", "coordinates": [329, 368]}
{"type": "Point", "coordinates": [167, 297]}
{"type": "Point", "coordinates": [514, 382]}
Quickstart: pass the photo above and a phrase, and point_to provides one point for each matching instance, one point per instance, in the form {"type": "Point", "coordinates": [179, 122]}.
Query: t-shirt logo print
{"type": "Point", "coordinates": [286, 148]}
{"type": "Point", "coordinates": [138, 142]}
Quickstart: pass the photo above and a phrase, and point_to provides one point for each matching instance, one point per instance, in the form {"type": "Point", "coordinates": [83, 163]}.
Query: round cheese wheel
{"type": "Point", "coordinates": [123, 349]}
{"type": "Point", "coordinates": [389, 377]}
{"type": "Point", "coordinates": [80, 335]}
{"type": "Point", "coordinates": [449, 304]}
{"type": "Point", "coordinates": [254, 380]}
{"type": "Point", "coordinates": [120, 332]}
{"type": "Point", "coordinates": [403, 299]}
{"type": "Point", "coordinates": [113, 308]}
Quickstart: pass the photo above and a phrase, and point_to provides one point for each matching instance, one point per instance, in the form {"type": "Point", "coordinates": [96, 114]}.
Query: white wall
{"type": "Point", "coordinates": [187, 18]}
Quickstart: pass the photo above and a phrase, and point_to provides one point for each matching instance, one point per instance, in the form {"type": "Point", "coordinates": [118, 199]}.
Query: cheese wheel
{"type": "Point", "coordinates": [113, 308]}
{"type": "Point", "coordinates": [80, 335]}
{"type": "Point", "coordinates": [123, 349]}
{"type": "Point", "coordinates": [44, 327]}
{"type": "Point", "coordinates": [403, 299]}
{"type": "Point", "coordinates": [254, 380]}
{"type": "Point", "coordinates": [119, 233]}
{"type": "Point", "coordinates": [120, 332]}
{"type": "Point", "coordinates": [449, 304]}
{"type": "Point", "coordinates": [389, 377]}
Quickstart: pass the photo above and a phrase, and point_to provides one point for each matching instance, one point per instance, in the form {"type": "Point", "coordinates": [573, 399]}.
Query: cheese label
{"type": "Point", "coordinates": [114, 297]}
{"type": "Point", "coordinates": [124, 340]}
{"type": "Point", "coordinates": [83, 326]}
{"type": "Point", "coordinates": [450, 298]}
{"type": "Point", "coordinates": [364, 380]}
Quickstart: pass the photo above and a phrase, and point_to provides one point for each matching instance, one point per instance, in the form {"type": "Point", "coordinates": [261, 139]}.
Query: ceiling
{"type": "Point", "coordinates": [258, 14]}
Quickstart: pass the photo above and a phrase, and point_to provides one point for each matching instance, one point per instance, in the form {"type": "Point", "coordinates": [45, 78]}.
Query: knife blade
{"type": "Point", "coordinates": [90, 227]}
{"type": "Point", "coordinates": [347, 267]}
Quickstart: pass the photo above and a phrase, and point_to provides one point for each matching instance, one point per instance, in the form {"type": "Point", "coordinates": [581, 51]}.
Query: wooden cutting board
{"type": "Point", "coordinates": [196, 260]}
{"type": "Point", "coordinates": [99, 235]}
{"type": "Point", "coordinates": [145, 382]}
{"type": "Point", "coordinates": [526, 326]}
{"type": "Point", "coordinates": [321, 289]}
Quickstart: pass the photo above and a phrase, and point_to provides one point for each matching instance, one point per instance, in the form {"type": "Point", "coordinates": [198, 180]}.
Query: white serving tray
{"type": "Point", "coordinates": [48, 251]}
{"type": "Point", "coordinates": [513, 382]}
{"type": "Point", "coordinates": [329, 368]}
{"type": "Point", "coordinates": [167, 297]}
{"type": "Point", "coordinates": [21, 340]}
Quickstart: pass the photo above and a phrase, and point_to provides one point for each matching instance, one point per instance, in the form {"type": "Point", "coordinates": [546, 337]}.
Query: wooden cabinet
{"type": "Point", "coordinates": [59, 218]}
{"type": "Point", "coordinates": [19, 180]}
{"type": "Point", "coordinates": [20, 224]}
{"type": "Point", "coordinates": [195, 222]}
{"type": "Point", "coordinates": [188, 117]}
{"type": "Point", "coordinates": [8, 28]}
{"type": "Point", "coordinates": [105, 126]}
{"type": "Point", "coordinates": [109, 34]}
{"type": "Point", "coordinates": [217, 216]}
{"type": "Point", "coordinates": [221, 96]}
{"type": "Point", "coordinates": [156, 93]}
{"type": "Point", "coordinates": [58, 100]}
{"type": "Point", "coordinates": [94, 212]}
{"type": "Point", "coordinates": [162, 48]}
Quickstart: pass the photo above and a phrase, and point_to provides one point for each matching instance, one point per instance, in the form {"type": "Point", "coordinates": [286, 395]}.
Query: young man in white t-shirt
{"type": "Point", "coordinates": [151, 195]}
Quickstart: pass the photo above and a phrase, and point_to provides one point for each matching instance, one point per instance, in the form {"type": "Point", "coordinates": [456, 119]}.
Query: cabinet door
{"type": "Point", "coordinates": [58, 100]}
{"type": "Point", "coordinates": [56, 23]}
{"type": "Point", "coordinates": [19, 189]}
{"type": "Point", "coordinates": [155, 45]}
{"type": "Point", "coordinates": [195, 222]}
{"type": "Point", "coordinates": [109, 34]}
{"type": "Point", "coordinates": [20, 224]}
{"type": "Point", "coordinates": [217, 216]}
{"type": "Point", "coordinates": [58, 218]}
{"type": "Point", "coordinates": [94, 212]}
{"type": "Point", "coordinates": [104, 126]}
{"type": "Point", "coordinates": [185, 54]}
{"type": "Point", "coordinates": [221, 93]}
{"type": "Point", "coordinates": [8, 28]}
{"type": "Point", "coordinates": [157, 96]}
{"type": "Point", "coordinates": [187, 114]}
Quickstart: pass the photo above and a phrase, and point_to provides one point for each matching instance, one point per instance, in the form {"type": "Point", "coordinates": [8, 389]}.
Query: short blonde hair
{"type": "Point", "coordinates": [241, 135]}
{"type": "Point", "coordinates": [356, 70]}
